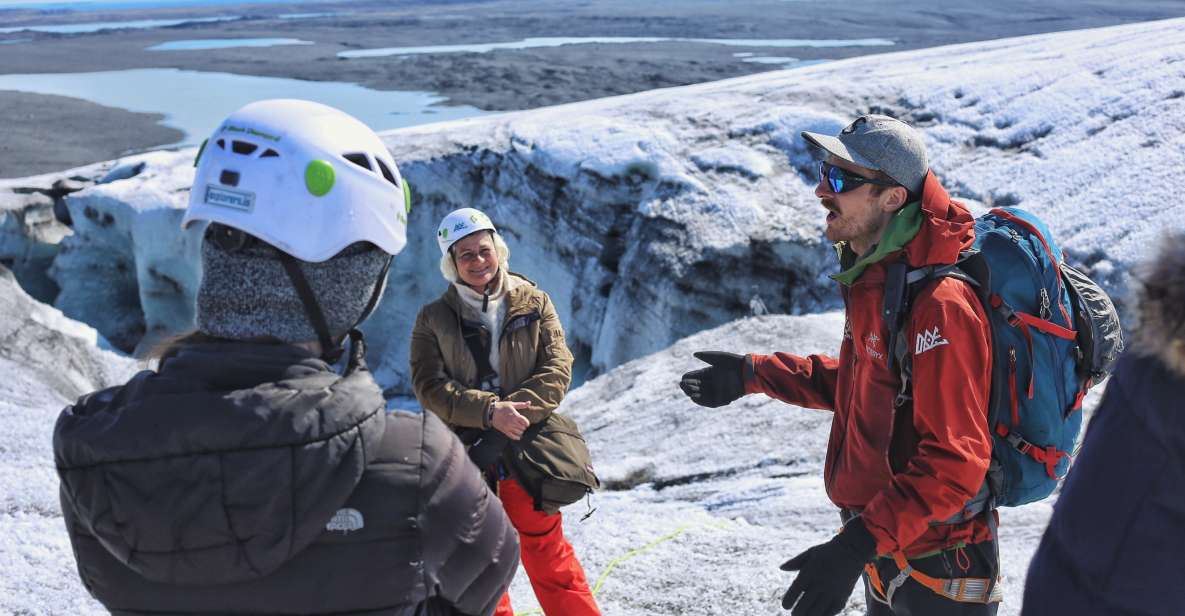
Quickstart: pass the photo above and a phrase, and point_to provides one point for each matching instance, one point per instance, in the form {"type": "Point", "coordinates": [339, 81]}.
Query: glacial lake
{"type": "Point", "coordinates": [195, 102]}
{"type": "Point", "coordinates": [310, 15]}
{"type": "Point", "coordinates": [198, 44]}
{"type": "Point", "coordinates": [141, 24]}
{"type": "Point", "coordinates": [530, 43]}
{"type": "Point", "coordinates": [114, 25]}
{"type": "Point", "coordinates": [120, 5]}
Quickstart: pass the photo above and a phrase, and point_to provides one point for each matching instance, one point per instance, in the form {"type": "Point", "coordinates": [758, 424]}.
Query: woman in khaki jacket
{"type": "Point", "coordinates": [512, 372]}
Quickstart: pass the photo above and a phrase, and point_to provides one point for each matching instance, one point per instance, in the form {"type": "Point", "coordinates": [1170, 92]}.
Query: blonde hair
{"type": "Point", "coordinates": [448, 267]}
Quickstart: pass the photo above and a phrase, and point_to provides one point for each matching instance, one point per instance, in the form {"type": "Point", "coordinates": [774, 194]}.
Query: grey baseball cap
{"type": "Point", "coordinates": [882, 143]}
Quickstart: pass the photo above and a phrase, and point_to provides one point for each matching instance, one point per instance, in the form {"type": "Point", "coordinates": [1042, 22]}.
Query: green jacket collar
{"type": "Point", "coordinates": [901, 229]}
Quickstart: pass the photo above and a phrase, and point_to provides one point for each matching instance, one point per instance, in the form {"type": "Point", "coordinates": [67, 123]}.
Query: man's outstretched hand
{"type": "Point", "coordinates": [718, 384]}
{"type": "Point", "coordinates": [828, 572]}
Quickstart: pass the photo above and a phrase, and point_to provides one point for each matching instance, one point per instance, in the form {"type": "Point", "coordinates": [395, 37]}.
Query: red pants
{"type": "Point", "coordinates": [555, 574]}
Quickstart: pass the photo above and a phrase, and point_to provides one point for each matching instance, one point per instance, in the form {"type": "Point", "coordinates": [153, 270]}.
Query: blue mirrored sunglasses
{"type": "Point", "coordinates": [841, 180]}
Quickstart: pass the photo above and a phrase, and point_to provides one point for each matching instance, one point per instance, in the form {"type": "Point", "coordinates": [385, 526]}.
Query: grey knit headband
{"type": "Point", "coordinates": [246, 294]}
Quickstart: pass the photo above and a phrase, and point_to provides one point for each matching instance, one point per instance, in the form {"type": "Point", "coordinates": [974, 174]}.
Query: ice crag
{"type": "Point", "coordinates": [652, 216]}
{"type": "Point", "coordinates": [103, 243]}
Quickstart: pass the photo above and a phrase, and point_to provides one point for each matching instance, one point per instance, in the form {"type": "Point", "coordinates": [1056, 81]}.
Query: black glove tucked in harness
{"type": "Point", "coordinates": [827, 573]}
{"type": "Point", "coordinates": [717, 385]}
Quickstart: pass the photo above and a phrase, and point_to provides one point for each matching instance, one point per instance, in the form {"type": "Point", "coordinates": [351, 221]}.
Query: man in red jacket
{"type": "Point", "coordinates": [901, 466]}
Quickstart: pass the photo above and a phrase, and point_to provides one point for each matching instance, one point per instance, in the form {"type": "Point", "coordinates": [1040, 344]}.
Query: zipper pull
{"type": "Point", "coordinates": [1046, 312]}
{"type": "Point", "coordinates": [1014, 403]}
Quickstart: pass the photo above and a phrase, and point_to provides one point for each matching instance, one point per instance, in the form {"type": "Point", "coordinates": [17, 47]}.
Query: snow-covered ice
{"type": "Point", "coordinates": [46, 360]}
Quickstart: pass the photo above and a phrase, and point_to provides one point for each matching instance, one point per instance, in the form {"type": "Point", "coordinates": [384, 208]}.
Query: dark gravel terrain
{"type": "Point", "coordinates": [50, 133]}
{"type": "Point", "coordinates": [499, 80]}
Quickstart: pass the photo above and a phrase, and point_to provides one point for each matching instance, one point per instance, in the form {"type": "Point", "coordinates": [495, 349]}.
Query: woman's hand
{"type": "Point", "coordinates": [506, 418]}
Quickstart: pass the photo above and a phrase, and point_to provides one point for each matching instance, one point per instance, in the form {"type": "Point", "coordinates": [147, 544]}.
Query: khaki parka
{"type": "Point", "coordinates": [535, 364]}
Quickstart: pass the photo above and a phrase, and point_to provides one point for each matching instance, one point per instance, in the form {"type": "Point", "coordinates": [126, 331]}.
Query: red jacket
{"type": "Point", "coordinates": [937, 458]}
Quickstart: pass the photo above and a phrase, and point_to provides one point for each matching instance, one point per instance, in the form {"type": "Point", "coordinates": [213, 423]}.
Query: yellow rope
{"type": "Point", "coordinates": [624, 557]}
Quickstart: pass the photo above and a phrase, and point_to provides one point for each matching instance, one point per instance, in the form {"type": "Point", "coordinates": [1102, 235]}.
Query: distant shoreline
{"type": "Point", "coordinates": [499, 80]}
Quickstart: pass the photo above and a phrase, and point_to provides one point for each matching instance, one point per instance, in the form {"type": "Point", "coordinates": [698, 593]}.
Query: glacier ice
{"type": "Point", "coordinates": [651, 216]}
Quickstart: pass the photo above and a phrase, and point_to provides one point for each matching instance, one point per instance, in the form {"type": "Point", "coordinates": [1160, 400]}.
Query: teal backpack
{"type": "Point", "coordinates": [1054, 334]}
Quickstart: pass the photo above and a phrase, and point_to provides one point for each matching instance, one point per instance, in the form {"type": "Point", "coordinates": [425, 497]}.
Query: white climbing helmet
{"type": "Point", "coordinates": [460, 223]}
{"type": "Point", "coordinates": [304, 177]}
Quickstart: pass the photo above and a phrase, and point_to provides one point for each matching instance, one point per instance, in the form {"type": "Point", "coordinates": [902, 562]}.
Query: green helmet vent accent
{"type": "Point", "coordinates": [319, 177]}
{"type": "Point", "coordinates": [406, 197]}
{"type": "Point", "coordinates": [201, 149]}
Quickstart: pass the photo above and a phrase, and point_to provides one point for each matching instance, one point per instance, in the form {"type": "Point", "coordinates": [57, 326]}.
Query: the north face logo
{"type": "Point", "coordinates": [928, 340]}
{"type": "Point", "coordinates": [345, 520]}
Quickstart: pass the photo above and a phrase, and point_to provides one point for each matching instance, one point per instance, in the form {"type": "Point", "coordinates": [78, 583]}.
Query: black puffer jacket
{"type": "Point", "coordinates": [1115, 542]}
{"type": "Point", "coordinates": [244, 478]}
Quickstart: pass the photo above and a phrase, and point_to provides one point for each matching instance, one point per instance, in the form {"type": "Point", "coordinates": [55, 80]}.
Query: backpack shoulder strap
{"type": "Point", "coordinates": [486, 448]}
{"type": "Point", "coordinates": [902, 287]}
{"type": "Point", "coordinates": [972, 269]}
{"type": "Point", "coordinates": [476, 342]}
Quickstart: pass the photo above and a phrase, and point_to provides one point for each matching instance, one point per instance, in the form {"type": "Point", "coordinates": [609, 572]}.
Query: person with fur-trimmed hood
{"type": "Point", "coordinates": [489, 358]}
{"type": "Point", "coordinates": [1115, 542]}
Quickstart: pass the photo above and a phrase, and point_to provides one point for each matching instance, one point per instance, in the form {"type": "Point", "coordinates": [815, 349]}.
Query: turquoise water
{"type": "Point", "coordinates": [195, 102]}
{"type": "Point", "coordinates": [558, 41]}
{"type": "Point", "coordinates": [307, 15]}
{"type": "Point", "coordinates": [196, 44]}
{"type": "Point", "coordinates": [103, 5]}
{"type": "Point", "coordinates": [785, 61]}
{"type": "Point", "coordinates": [113, 25]}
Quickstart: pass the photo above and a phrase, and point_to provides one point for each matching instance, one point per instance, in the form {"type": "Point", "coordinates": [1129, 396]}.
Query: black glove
{"type": "Point", "coordinates": [717, 385]}
{"type": "Point", "coordinates": [828, 572]}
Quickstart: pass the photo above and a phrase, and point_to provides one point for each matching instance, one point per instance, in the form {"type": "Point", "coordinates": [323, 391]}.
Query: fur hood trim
{"type": "Point", "coordinates": [1161, 331]}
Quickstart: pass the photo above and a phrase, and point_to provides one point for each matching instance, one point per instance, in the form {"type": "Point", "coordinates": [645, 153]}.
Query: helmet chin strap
{"type": "Point", "coordinates": [330, 352]}
{"type": "Point", "coordinates": [377, 295]}
{"type": "Point", "coordinates": [485, 292]}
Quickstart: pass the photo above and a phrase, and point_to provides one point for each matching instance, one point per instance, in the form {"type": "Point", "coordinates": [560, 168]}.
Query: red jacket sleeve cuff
{"type": "Point", "coordinates": [749, 374]}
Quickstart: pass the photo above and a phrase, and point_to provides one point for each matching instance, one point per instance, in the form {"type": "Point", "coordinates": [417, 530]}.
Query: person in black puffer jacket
{"type": "Point", "coordinates": [252, 473]}
{"type": "Point", "coordinates": [1114, 544]}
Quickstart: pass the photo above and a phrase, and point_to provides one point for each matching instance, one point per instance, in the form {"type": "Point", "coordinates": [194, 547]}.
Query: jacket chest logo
{"type": "Point", "coordinates": [871, 344]}
{"type": "Point", "coordinates": [522, 321]}
{"type": "Point", "coordinates": [928, 340]}
{"type": "Point", "coordinates": [345, 520]}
